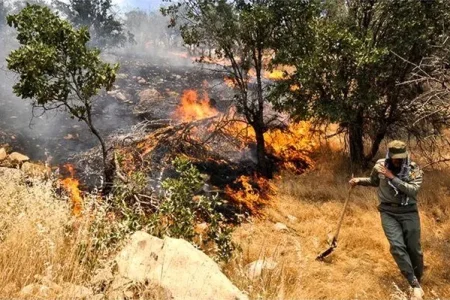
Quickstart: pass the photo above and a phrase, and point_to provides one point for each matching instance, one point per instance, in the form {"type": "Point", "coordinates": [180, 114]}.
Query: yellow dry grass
{"type": "Point", "coordinates": [361, 267]}
{"type": "Point", "coordinates": [36, 240]}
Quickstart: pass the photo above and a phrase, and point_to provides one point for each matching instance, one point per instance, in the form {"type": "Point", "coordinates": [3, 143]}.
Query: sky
{"type": "Point", "coordinates": [142, 4]}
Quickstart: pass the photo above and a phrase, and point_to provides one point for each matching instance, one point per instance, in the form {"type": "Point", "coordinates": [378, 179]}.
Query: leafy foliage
{"type": "Point", "coordinates": [352, 68]}
{"type": "Point", "coordinates": [56, 67]}
{"type": "Point", "coordinates": [104, 26]}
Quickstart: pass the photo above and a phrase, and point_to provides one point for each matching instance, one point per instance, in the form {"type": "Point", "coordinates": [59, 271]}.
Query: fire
{"type": "Point", "coordinates": [229, 82]}
{"type": "Point", "coordinates": [192, 108]}
{"type": "Point", "coordinates": [275, 75]}
{"type": "Point", "coordinates": [71, 185]}
{"type": "Point", "coordinates": [251, 193]}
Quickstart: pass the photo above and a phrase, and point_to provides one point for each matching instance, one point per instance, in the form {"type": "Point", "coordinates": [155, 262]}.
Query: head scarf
{"type": "Point", "coordinates": [403, 175]}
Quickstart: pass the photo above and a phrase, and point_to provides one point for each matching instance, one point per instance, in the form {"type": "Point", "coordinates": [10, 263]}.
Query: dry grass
{"type": "Point", "coordinates": [38, 242]}
{"type": "Point", "coordinates": [361, 267]}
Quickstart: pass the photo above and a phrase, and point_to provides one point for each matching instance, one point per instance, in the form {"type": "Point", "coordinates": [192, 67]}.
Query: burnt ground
{"type": "Point", "coordinates": [56, 138]}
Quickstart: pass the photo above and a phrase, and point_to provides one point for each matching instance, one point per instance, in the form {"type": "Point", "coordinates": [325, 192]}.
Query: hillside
{"type": "Point", "coordinates": [36, 240]}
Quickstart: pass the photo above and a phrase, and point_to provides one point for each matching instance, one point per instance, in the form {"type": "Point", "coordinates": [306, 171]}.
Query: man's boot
{"type": "Point", "coordinates": [417, 293]}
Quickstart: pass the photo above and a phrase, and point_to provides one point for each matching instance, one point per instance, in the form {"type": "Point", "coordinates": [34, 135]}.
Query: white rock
{"type": "Point", "coordinates": [37, 291]}
{"type": "Point", "coordinates": [255, 269]}
{"type": "Point", "coordinates": [3, 154]}
{"type": "Point", "coordinates": [142, 81]}
{"type": "Point", "coordinates": [74, 291]}
{"type": "Point", "coordinates": [120, 96]}
{"type": "Point", "coordinates": [16, 156]}
{"type": "Point", "coordinates": [176, 266]}
{"type": "Point", "coordinates": [280, 227]}
{"type": "Point", "coordinates": [292, 219]}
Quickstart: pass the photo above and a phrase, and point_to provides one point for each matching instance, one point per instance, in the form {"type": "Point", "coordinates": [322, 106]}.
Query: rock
{"type": "Point", "coordinates": [148, 96]}
{"type": "Point", "coordinates": [122, 76]}
{"type": "Point", "coordinates": [176, 266]}
{"type": "Point", "coordinates": [35, 170]}
{"type": "Point", "coordinates": [73, 291]}
{"type": "Point", "coordinates": [280, 227]}
{"type": "Point", "coordinates": [3, 154]}
{"type": "Point", "coordinates": [104, 276]}
{"type": "Point", "coordinates": [17, 157]}
{"type": "Point", "coordinates": [142, 81]}
{"type": "Point", "coordinates": [120, 96]}
{"type": "Point", "coordinates": [255, 269]}
{"type": "Point", "coordinates": [292, 219]}
{"type": "Point", "coordinates": [39, 291]}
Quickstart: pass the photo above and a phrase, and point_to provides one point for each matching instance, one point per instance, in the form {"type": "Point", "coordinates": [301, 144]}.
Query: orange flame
{"type": "Point", "coordinates": [275, 75]}
{"type": "Point", "coordinates": [251, 193]}
{"type": "Point", "coordinates": [192, 108]}
{"type": "Point", "coordinates": [71, 185]}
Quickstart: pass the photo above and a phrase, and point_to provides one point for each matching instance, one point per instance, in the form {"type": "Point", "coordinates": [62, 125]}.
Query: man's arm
{"type": "Point", "coordinates": [409, 188]}
{"type": "Point", "coordinates": [373, 180]}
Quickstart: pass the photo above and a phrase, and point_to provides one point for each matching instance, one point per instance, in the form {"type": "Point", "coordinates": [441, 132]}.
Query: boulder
{"type": "Point", "coordinates": [148, 96]}
{"type": "Point", "coordinates": [18, 157]}
{"type": "Point", "coordinates": [176, 266]}
{"type": "Point", "coordinates": [37, 291]}
{"type": "Point", "coordinates": [3, 154]}
{"type": "Point", "coordinates": [256, 268]}
{"type": "Point", "coordinates": [121, 97]}
{"type": "Point", "coordinates": [73, 291]}
{"type": "Point", "coordinates": [280, 227]}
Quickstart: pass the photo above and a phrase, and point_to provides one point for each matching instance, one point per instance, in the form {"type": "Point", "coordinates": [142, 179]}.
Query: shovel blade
{"type": "Point", "coordinates": [327, 252]}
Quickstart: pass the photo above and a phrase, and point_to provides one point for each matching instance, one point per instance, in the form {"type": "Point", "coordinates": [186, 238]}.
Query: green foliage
{"type": "Point", "coordinates": [98, 16]}
{"type": "Point", "coordinates": [57, 68]}
{"type": "Point", "coordinates": [177, 213]}
{"type": "Point", "coordinates": [54, 62]}
{"type": "Point", "coordinates": [180, 212]}
{"type": "Point", "coordinates": [351, 67]}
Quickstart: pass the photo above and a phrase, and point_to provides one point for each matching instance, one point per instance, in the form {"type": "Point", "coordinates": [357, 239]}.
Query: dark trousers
{"type": "Point", "coordinates": [403, 232]}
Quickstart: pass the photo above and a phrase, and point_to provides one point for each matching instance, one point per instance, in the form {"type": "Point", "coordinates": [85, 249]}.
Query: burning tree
{"type": "Point", "coordinates": [243, 33]}
{"type": "Point", "coordinates": [57, 69]}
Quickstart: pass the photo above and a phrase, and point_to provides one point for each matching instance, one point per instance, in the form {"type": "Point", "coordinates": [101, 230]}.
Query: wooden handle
{"type": "Point", "coordinates": [343, 213]}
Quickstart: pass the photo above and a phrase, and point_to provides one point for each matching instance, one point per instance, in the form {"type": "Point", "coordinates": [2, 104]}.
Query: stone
{"type": "Point", "coordinates": [39, 291]}
{"type": "Point", "coordinates": [120, 96]}
{"type": "Point", "coordinates": [18, 157]}
{"type": "Point", "coordinates": [256, 268]}
{"type": "Point", "coordinates": [292, 219]}
{"type": "Point", "coordinates": [3, 154]}
{"type": "Point", "coordinates": [280, 227]}
{"type": "Point", "coordinates": [176, 266]}
{"type": "Point", "coordinates": [148, 96]}
{"type": "Point", "coordinates": [142, 81]}
{"type": "Point", "coordinates": [74, 291]}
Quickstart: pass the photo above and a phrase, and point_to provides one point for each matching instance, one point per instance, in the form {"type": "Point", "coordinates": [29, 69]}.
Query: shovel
{"type": "Point", "coordinates": [333, 243]}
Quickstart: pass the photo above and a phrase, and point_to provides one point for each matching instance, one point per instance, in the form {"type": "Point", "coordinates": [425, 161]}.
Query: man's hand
{"type": "Point", "coordinates": [353, 182]}
{"type": "Point", "coordinates": [386, 172]}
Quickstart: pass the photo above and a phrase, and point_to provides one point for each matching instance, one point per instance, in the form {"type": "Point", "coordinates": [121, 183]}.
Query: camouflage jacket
{"type": "Point", "coordinates": [386, 193]}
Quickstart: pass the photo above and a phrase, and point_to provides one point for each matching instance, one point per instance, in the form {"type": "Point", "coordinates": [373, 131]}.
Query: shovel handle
{"type": "Point", "coordinates": [343, 213]}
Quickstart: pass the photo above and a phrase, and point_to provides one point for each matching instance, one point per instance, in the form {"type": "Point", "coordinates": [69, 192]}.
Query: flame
{"type": "Point", "coordinates": [229, 82]}
{"type": "Point", "coordinates": [192, 108]}
{"type": "Point", "coordinates": [275, 75]}
{"type": "Point", "coordinates": [71, 185]}
{"type": "Point", "coordinates": [251, 193]}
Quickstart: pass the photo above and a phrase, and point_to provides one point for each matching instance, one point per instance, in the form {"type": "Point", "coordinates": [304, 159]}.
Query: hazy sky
{"type": "Point", "coordinates": [143, 4]}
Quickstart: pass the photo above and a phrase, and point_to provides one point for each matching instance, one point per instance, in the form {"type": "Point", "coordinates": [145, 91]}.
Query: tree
{"type": "Point", "coordinates": [352, 69]}
{"type": "Point", "coordinates": [57, 69]}
{"type": "Point", "coordinates": [105, 28]}
{"type": "Point", "coordinates": [243, 33]}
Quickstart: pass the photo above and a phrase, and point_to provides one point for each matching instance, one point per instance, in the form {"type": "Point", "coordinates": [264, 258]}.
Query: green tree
{"type": "Point", "coordinates": [57, 69]}
{"type": "Point", "coordinates": [105, 28]}
{"type": "Point", "coordinates": [242, 32]}
{"type": "Point", "coordinates": [353, 69]}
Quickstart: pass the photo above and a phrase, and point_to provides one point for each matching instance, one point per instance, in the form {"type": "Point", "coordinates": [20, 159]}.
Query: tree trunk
{"type": "Point", "coordinates": [381, 133]}
{"type": "Point", "coordinates": [108, 168]}
{"type": "Point", "coordinates": [263, 167]}
{"type": "Point", "coordinates": [356, 142]}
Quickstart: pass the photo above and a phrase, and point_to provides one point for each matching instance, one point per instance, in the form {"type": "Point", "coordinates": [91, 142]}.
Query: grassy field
{"type": "Point", "coordinates": [35, 241]}
{"type": "Point", "coordinates": [361, 267]}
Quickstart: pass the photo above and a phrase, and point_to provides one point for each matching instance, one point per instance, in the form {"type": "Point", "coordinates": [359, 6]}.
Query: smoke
{"type": "Point", "coordinates": [53, 136]}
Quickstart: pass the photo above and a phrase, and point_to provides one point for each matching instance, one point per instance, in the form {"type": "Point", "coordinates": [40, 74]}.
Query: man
{"type": "Point", "coordinates": [398, 181]}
